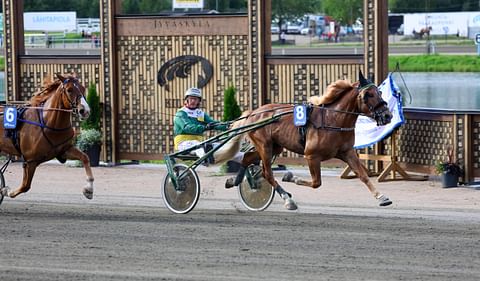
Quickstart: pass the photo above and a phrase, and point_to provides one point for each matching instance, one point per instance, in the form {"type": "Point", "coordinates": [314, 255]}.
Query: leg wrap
{"type": "Point", "coordinates": [282, 191]}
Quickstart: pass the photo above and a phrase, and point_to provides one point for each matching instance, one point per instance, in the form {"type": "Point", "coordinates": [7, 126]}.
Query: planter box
{"type": "Point", "coordinates": [93, 153]}
{"type": "Point", "coordinates": [449, 180]}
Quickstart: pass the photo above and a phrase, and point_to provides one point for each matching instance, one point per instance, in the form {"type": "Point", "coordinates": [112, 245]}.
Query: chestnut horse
{"type": "Point", "coordinates": [44, 130]}
{"type": "Point", "coordinates": [329, 133]}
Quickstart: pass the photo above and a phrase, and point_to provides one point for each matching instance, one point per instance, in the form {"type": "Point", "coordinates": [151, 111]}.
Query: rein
{"type": "Point", "coordinates": [323, 109]}
{"type": "Point", "coordinates": [38, 107]}
{"type": "Point", "coordinates": [42, 123]}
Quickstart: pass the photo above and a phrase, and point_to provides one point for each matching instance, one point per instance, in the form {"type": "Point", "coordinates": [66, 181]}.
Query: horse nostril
{"type": "Point", "coordinates": [388, 117]}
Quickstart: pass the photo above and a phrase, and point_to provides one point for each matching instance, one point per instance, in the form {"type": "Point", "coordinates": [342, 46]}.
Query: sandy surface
{"type": "Point", "coordinates": [338, 233]}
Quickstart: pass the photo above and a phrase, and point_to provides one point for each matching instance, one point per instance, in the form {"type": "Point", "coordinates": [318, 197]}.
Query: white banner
{"type": "Point", "coordinates": [50, 21]}
{"type": "Point", "coordinates": [441, 23]}
{"type": "Point", "coordinates": [367, 132]}
{"type": "Point", "coordinates": [183, 4]}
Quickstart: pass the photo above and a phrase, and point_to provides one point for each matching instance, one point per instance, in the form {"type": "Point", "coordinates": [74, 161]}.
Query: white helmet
{"type": "Point", "coordinates": [193, 92]}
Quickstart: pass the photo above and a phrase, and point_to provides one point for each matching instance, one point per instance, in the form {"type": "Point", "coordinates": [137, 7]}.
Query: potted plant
{"type": "Point", "coordinates": [449, 170]}
{"type": "Point", "coordinates": [90, 141]}
{"type": "Point", "coordinates": [231, 111]}
{"type": "Point", "coordinates": [90, 138]}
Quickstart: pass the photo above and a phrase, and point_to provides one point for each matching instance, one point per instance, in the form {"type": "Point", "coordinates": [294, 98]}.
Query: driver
{"type": "Point", "coordinates": [191, 122]}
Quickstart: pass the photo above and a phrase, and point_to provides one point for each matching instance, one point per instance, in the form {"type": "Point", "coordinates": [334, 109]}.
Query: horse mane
{"type": "Point", "coordinates": [334, 91]}
{"type": "Point", "coordinates": [47, 89]}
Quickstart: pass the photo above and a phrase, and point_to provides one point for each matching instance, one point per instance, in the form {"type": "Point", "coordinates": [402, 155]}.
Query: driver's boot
{"type": "Point", "coordinates": [235, 181]}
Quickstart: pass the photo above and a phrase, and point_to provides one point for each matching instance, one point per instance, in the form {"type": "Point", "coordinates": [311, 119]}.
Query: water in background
{"type": "Point", "coordinates": [445, 90]}
{"type": "Point", "coordinates": [451, 90]}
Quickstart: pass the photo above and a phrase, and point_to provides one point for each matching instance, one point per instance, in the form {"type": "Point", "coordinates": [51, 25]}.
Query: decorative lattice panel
{"type": "Point", "coordinates": [424, 142]}
{"type": "Point", "coordinates": [255, 42]}
{"type": "Point", "coordinates": [32, 75]}
{"type": "Point", "coordinates": [146, 110]}
{"type": "Point", "coordinates": [476, 143]}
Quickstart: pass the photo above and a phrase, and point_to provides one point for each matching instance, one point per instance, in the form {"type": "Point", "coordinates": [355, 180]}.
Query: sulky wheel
{"type": "Point", "coordinates": [2, 185]}
{"type": "Point", "coordinates": [182, 198]}
{"type": "Point", "coordinates": [255, 192]}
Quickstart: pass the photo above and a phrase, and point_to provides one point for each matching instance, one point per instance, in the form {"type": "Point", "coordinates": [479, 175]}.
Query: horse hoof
{"type": "Point", "coordinates": [290, 204]}
{"type": "Point", "coordinates": [229, 183]}
{"type": "Point", "coordinates": [88, 193]}
{"type": "Point", "coordinates": [287, 177]}
{"type": "Point", "coordinates": [384, 201]}
{"type": "Point", "coordinates": [4, 191]}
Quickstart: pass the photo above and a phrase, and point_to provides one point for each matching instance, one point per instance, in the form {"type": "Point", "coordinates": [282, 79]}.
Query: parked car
{"type": "Point", "coordinates": [357, 28]}
{"type": "Point", "coordinates": [274, 29]}
{"type": "Point", "coordinates": [294, 29]}
{"type": "Point", "coordinates": [306, 31]}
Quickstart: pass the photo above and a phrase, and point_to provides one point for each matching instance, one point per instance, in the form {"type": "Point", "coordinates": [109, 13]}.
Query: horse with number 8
{"type": "Point", "coordinates": [44, 130]}
{"type": "Point", "coordinates": [328, 133]}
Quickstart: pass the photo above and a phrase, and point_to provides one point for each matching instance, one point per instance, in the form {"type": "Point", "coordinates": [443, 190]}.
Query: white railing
{"type": "Point", "coordinates": [56, 42]}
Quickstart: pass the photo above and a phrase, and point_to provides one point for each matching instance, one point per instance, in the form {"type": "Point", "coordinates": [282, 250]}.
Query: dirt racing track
{"type": "Point", "coordinates": [338, 232]}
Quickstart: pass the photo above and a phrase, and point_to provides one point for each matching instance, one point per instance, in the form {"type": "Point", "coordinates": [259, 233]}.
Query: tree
{"type": "Point", "coordinates": [84, 8]}
{"type": "Point", "coordinates": [288, 10]}
{"type": "Point", "coordinates": [93, 100]}
{"type": "Point", "coordinates": [344, 11]}
{"type": "Point", "coordinates": [231, 109]}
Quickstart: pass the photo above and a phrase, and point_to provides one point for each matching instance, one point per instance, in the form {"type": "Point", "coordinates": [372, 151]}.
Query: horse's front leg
{"type": "Point", "coordinates": [314, 165]}
{"type": "Point", "coordinates": [351, 158]}
{"type": "Point", "coordinates": [28, 172]}
{"type": "Point", "coordinates": [76, 154]}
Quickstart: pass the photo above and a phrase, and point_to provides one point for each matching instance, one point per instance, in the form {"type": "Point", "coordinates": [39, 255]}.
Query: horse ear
{"type": "Point", "coordinates": [361, 78]}
{"type": "Point", "coordinates": [59, 76]}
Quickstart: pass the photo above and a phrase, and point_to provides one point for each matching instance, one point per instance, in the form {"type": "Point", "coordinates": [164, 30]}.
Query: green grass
{"type": "Point", "coordinates": [416, 63]}
{"type": "Point", "coordinates": [435, 63]}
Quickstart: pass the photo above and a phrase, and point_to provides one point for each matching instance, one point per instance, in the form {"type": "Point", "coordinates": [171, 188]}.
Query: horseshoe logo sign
{"type": "Point", "coordinates": [181, 67]}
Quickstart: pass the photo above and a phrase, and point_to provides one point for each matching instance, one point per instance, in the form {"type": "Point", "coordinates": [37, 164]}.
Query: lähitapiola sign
{"type": "Point", "coordinates": [183, 4]}
{"type": "Point", "coordinates": [50, 21]}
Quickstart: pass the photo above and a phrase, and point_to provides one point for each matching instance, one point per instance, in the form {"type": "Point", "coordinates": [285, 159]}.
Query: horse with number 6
{"type": "Point", "coordinates": [44, 131]}
{"type": "Point", "coordinates": [328, 133]}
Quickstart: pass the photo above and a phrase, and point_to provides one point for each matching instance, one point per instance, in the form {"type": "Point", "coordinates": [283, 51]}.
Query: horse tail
{"type": "Point", "coordinates": [232, 147]}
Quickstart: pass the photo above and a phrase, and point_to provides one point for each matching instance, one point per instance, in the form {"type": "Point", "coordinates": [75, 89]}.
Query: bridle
{"type": "Point", "coordinates": [72, 103]}
{"type": "Point", "coordinates": [377, 110]}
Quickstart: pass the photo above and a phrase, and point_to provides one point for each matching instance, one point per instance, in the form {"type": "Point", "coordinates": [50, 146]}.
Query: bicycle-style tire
{"type": "Point", "coordinates": [183, 198]}
{"type": "Point", "coordinates": [256, 198]}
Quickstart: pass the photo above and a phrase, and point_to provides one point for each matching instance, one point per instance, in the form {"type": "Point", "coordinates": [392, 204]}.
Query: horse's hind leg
{"type": "Point", "coordinates": [28, 172]}
{"type": "Point", "coordinates": [74, 153]}
{"type": "Point", "coordinates": [314, 165]}
{"type": "Point", "coordinates": [354, 162]}
{"type": "Point", "coordinates": [266, 155]}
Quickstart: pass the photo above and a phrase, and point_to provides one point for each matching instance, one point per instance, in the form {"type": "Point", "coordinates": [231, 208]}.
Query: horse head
{"type": "Point", "coordinates": [73, 95]}
{"type": "Point", "coordinates": [371, 103]}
